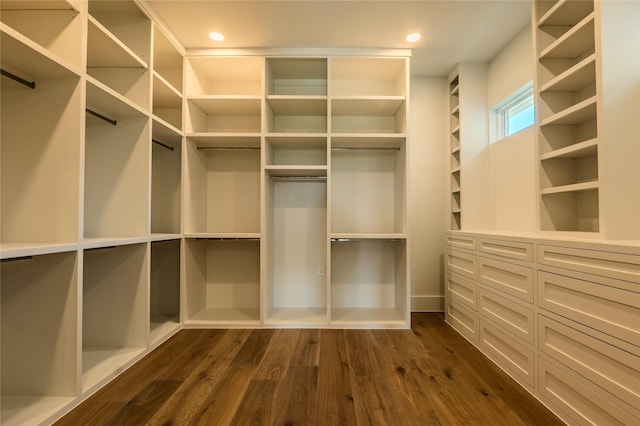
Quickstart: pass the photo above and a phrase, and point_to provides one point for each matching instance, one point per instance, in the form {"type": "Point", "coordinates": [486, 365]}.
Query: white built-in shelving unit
{"type": "Point", "coordinates": [91, 207]}
{"type": "Point", "coordinates": [159, 191]}
{"type": "Point", "coordinates": [454, 147]}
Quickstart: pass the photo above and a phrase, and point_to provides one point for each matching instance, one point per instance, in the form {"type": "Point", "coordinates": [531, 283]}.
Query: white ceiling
{"type": "Point", "coordinates": [453, 31]}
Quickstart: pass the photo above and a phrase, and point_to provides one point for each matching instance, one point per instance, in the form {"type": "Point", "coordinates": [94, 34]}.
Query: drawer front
{"type": "Point", "coordinates": [461, 263]}
{"type": "Point", "coordinates": [603, 307]}
{"type": "Point", "coordinates": [513, 317]}
{"type": "Point", "coordinates": [515, 357]}
{"type": "Point", "coordinates": [608, 264]}
{"type": "Point", "coordinates": [461, 241]}
{"type": "Point", "coordinates": [462, 320]}
{"type": "Point", "coordinates": [615, 370]}
{"type": "Point", "coordinates": [511, 249]}
{"type": "Point", "coordinates": [576, 397]}
{"type": "Point", "coordinates": [463, 291]}
{"type": "Point", "coordinates": [507, 278]}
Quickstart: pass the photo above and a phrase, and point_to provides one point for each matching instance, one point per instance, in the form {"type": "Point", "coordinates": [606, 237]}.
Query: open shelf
{"type": "Point", "coordinates": [296, 252]}
{"type": "Point", "coordinates": [116, 168]}
{"type": "Point", "coordinates": [167, 60]}
{"type": "Point", "coordinates": [40, 202]}
{"type": "Point", "coordinates": [164, 295]}
{"type": "Point", "coordinates": [222, 282]}
{"type": "Point", "coordinates": [167, 102]}
{"type": "Point", "coordinates": [377, 176]}
{"type": "Point", "coordinates": [224, 76]}
{"type": "Point", "coordinates": [223, 114]}
{"type": "Point", "coordinates": [222, 187]}
{"type": "Point", "coordinates": [296, 76]}
{"type": "Point", "coordinates": [296, 114]}
{"type": "Point", "coordinates": [114, 311]}
{"type": "Point", "coordinates": [166, 188]}
{"type": "Point", "coordinates": [578, 150]}
{"type": "Point", "coordinates": [368, 115]}
{"type": "Point", "coordinates": [361, 294]}
{"type": "Point", "coordinates": [368, 77]}
{"type": "Point", "coordinates": [295, 150]}
{"type": "Point", "coordinates": [54, 25]}
{"type": "Point", "coordinates": [118, 51]}
{"type": "Point", "coordinates": [39, 336]}
{"type": "Point", "coordinates": [562, 12]}
{"type": "Point", "coordinates": [575, 114]}
{"type": "Point", "coordinates": [577, 41]}
{"type": "Point", "coordinates": [571, 79]}
{"type": "Point", "coordinates": [572, 211]}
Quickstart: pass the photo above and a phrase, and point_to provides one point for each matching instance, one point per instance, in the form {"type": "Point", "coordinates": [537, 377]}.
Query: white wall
{"type": "Point", "coordinates": [427, 191]}
{"type": "Point", "coordinates": [512, 160]}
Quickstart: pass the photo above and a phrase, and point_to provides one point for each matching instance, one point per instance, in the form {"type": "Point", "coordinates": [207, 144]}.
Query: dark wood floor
{"type": "Point", "coordinates": [428, 375]}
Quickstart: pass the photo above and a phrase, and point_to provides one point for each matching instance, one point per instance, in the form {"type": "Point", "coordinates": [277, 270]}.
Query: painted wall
{"type": "Point", "coordinates": [427, 191]}
{"type": "Point", "coordinates": [512, 160]}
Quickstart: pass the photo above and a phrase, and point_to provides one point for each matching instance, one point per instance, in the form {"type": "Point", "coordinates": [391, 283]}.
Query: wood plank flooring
{"type": "Point", "coordinates": [428, 375]}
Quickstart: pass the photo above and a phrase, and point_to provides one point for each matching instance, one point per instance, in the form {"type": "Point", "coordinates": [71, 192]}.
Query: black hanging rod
{"type": "Point", "coordinates": [101, 117]}
{"type": "Point", "coordinates": [227, 148]}
{"type": "Point", "coordinates": [169, 147]}
{"type": "Point", "coordinates": [13, 259]}
{"type": "Point", "coordinates": [226, 239]}
{"type": "Point", "coordinates": [365, 148]}
{"type": "Point", "coordinates": [21, 80]}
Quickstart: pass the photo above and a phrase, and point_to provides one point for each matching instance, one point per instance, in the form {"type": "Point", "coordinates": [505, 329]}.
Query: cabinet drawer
{"type": "Point", "coordinates": [462, 290]}
{"type": "Point", "coordinates": [462, 320]}
{"type": "Point", "coordinates": [576, 397]}
{"type": "Point", "coordinates": [507, 278]}
{"type": "Point", "coordinates": [513, 317]}
{"type": "Point", "coordinates": [613, 369]}
{"type": "Point", "coordinates": [462, 263]}
{"type": "Point", "coordinates": [604, 307]}
{"type": "Point", "coordinates": [461, 241]}
{"type": "Point", "coordinates": [622, 266]}
{"type": "Point", "coordinates": [516, 358]}
{"type": "Point", "coordinates": [512, 249]}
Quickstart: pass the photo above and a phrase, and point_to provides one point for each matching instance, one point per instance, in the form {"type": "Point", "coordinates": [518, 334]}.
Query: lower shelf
{"type": "Point", "coordinates": [372, 316]}
{"type": "Point", "coordinates": [239, 316]}
{"type": "Point", "coordinates": [161, 326]}
{"type": "Point", "coordinates": [21, 410]}
{"type": "Point", "coordinates": [100, 363]}
{"type": "Point", "coordinates": [297, 316]}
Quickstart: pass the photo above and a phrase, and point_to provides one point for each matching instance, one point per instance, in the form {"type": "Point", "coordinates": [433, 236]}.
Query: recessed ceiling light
{"type": "Point", "coordinates": [216, 36]}
{"type": "Point", "coordinates": [413, 37]}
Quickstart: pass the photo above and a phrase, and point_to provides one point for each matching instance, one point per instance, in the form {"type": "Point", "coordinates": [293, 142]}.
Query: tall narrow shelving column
{"type": "Point", "coordinates": [454, 160]}
{"type": "Point", "coordinates": [41, 111]}
{"type": "Point", "coordinates": [295, 192]}
{"type": "Point", "coordinates": [223, 104]}
{"type": "Point", "coordinates": [369, 99]}
{"type": "Point", "coordinates": [567, 100]}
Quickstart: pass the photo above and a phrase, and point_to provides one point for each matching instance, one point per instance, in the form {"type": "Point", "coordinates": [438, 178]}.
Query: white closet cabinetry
{"type": "Point", "coordinates": [584, 130]}
{"type": "Point", "coordinates": [276, 149]}
{"type": "Point", "coordinates": [82, 192]}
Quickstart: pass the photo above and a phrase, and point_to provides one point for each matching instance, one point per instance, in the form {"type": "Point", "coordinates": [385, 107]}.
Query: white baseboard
{"type": "Point", "coordinates": [427, 303]}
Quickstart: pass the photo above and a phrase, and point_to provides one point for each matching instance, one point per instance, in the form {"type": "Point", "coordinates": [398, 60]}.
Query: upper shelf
{"type": "Point", "coordinates": [566, 12]}
{"type": "Point", "coordinates": [105, 50]}
{"type": "Point", "coordinates": [573, 43]}
{"type": "Point", "coordinates": [38, 5]}
{"type": "Point", "coordinates": [578, 76]}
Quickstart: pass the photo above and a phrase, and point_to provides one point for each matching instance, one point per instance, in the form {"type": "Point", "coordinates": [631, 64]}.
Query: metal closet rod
{"type": "Point", "coordinates": [228, 148]}
{"type": "Point", "coordinates": [12, 76]}
{"type": "Point", "coordinates": [364, 240]}
{"type": "Point", "coordinates": [15, 259]}
{"type": "Point", "coordinates": [366, 148]}
{"type": "Point", "coordinates": [169, 147]}
{"type": "Point", "coordinates": [226, 239]}
{"type": "Point", "coordinates": [102, 117]}
{"type": "Point", "coordinates": [299, 178]}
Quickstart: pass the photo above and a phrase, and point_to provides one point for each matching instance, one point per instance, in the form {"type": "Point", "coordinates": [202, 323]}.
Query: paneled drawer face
{"type": "Point", "coordinates": [461, 263]}
{"type": "Point", "coordinates": [461, 241]}
{"type": "Point", "coordinates": [508, 278]}
{"type": "Point", "coordinates": [514, 356]}
{"type": "Point", "coordinates": [512, 249]}
{"type": "Point", "coordinates": [463, 321]}
{"type": "Point", "coordinates": [513, 317]}
{"type": "Point", "coordinates": [614, 265]}
{"type": "Point", "coordinates": [606, 308]}
{"type": "Point", "coordinates": [615, 370]}
{"type": "Point", "coordinates": [576, 398]}
{"type": "Point", "coordinates": [462, 290]}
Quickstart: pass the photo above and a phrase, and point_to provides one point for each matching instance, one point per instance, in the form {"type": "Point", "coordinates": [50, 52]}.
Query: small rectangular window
{"type": "Point", "coordinates": [515, 113]}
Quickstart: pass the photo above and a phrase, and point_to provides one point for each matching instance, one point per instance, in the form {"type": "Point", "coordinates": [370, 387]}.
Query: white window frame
{"type": "Point", "coordinates": [516, 102]}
